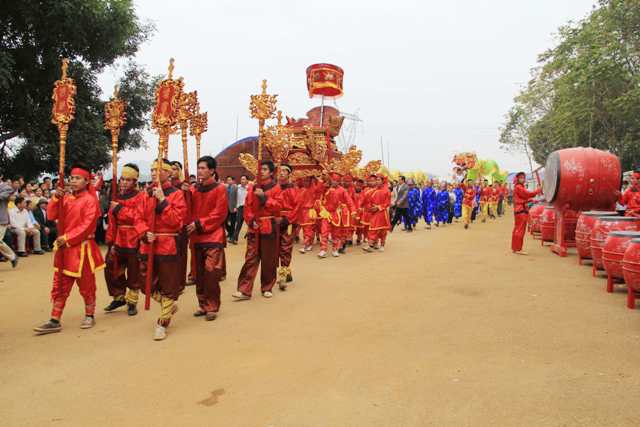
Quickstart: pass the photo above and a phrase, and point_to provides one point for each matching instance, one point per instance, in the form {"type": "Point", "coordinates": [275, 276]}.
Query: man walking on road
{"type": "Point", "coordinates": [402, 203]}
{"type": "Point", "coordinates": [240, 199]}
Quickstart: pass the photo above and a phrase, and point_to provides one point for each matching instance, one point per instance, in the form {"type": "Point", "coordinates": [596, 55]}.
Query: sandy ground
{"type": "Point", "coordinates": [445, 328]}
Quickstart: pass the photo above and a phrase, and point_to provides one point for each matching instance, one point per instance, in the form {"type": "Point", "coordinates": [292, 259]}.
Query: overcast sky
{"type": "Point", "coordinates": [429, 78]}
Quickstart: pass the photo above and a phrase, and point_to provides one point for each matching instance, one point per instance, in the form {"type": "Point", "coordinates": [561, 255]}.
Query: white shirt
{"type": "Point", "coordinates": [242, 195]}
{"type": "Point", "coordinates": [20, 218]}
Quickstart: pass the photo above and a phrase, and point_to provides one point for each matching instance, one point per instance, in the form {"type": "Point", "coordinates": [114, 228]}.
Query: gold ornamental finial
{"type": "Point", "coordinates": [116, 91]}
{"type": "Point", "coordinates": [279, 117]}
{"type": "Point", "coordinates": [264, 86]}
{"type": "Point", "coordinates": [65, 65]}
{"type": "Point", "coordinates": [171, 61]}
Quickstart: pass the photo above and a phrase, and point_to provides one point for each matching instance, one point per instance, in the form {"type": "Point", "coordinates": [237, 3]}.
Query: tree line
{"type": "Point", "coordinates": [93, 34]}
{"type": "Point", "coordinates": [585, 91]}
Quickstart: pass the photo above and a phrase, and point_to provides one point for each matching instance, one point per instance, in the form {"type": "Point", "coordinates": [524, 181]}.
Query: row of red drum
{"type": "Point", "coordinates": [542, 220]}
{"type": "Point", "coordinates": [613, 243]}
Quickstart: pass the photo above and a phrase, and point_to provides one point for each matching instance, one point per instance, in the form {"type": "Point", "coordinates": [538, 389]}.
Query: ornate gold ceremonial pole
{"type": "Point", "coordinates": [198, 124]}
{"type": "Point", "coordinates": [165, 115]}
{"type": "Point", "coordinates": [186, 111]}
{"type": "Point", "coordinates": [63, 111]}
{"type": "Point", "coordinates": [262, 108]}
{"type": "Point", "coordinates": [114, 119]}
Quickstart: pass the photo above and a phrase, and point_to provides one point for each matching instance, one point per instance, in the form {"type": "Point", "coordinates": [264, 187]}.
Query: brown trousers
{"type": "Point", "coordinates": [210, 268]}
{"type": "Point", "coordinates": [127, 274]}
{"type": "Point", "coordinates": [267, 255]}
{"type": "Point", "coordinates": [167, 279]}
{"type": "Point", "coordinates": [286, 246]}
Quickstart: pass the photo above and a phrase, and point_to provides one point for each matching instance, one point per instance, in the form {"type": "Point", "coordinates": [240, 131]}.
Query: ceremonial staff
{"type": "Point", "coordinates": [198, 124]}
{"type": "Point", "coordinates": [186, 111]}
{"type": "Point", "coordinates": [63, 111]}
{"type": "Point", "coordinates": [262, 108]}
{"type": "Point", "coordinates": [164, 119]}
{"type": "Point", "coordinates": [114, 119]}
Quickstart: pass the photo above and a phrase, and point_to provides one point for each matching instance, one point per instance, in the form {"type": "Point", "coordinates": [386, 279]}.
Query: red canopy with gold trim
{"type": "Point", "coordinates": [324, 80]}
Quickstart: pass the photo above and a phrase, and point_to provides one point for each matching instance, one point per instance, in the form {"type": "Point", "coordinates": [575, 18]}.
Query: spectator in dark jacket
{"type": "Point", "coordinates": [48, 231]}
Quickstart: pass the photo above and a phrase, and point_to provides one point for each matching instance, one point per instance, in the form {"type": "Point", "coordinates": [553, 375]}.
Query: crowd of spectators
{"type": "Point", "coordinates": [24, 227]}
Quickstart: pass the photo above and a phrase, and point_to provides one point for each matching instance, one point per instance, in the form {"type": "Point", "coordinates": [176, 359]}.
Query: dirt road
{"type": "Point", "coordinates": [445, 328]}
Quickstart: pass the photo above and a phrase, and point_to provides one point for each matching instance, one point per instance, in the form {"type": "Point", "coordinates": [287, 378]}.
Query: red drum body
{"type": "Point", "coordinates": [582, 179]}
{"type": "Point", "coordinates": [603, 226]}
{"type": "Point", "coordinates": [584, 226]}
{"type": "Point", "coordinates": [534, 218]}
{"type": "Point", "coordinates": [547, 224]}
{"type": "Point", "coordinates": [613, 253]}
{"type": "Point", "coordinates": [631, 271]}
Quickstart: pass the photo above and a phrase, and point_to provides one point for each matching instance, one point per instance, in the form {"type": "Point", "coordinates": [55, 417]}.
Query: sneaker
{"type": "Point", "coordinates": [211, 315]}
{"type": "Point", "coordinates": [289, 278]}
{"type": "Point", "coordinates": [14, 262]}
{"type": "Point", "coordinates": [381, 249]}
{"type": "Point", "coordinates": [367, 248]}
{"type": "Point", "coordinates": [322, 254]}
{"type": "Point", "coordinates": [88, 322]}
{"type": "Point", "coordinates": [40, 252]}
{"type": "Point", "coordinates": [240, 296]}
{"type": "Point", "coordinates": [282, 286]}
{"type": "Point", "coordinates": [132, 310]}
{"type": "Point", "coordinates": [199, 313]}
{"type": "Point", "coordinates": [302, 250]}
{"type": "Point", "coordinates": [114, 304]}
{"type": "Point", "coordinates": [267, 294]}
{"type": "Point", "coordinates": [48, 327]}
{"type": "Point", "coordinates": [335, 254]}
{"type": "Point", "coordinates": [160, 333]}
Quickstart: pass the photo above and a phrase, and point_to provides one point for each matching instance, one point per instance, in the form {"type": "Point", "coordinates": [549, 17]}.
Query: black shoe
{"type": "Point", "coordinates": [22, 254]}
{"type": "Point", "coordinates": [342, 250]}
{"type": "Point", "coordinates": [466, 226]}
{"type": "Point", "coordinates": [38, 252]}
{"type": "Point", "coordinates": [132, 310]}
{"type": "Point", "coordinates": [14, 262]}
{"type": "Point", "coordinates": [289, 278]}
{"type": "Point", "coordinates": [48, 249]}
{"type": "Point", "coordinates": [115, 304]}
{"type": "Point", "coordinates": [199, 313]}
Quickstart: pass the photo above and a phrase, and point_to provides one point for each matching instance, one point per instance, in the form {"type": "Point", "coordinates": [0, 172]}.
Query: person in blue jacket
{"type": "Point", "coordinates": [415, 206]}
{"type": "Point", "coordinates": [428, 203]}
{"type": "Point", "coordinates": [457, 207]}
{"type": "Point", "coordinates": [442, 205]}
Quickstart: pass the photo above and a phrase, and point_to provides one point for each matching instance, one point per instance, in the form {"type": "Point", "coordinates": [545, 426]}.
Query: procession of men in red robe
{"type": "Point", "coordinates": [174, 216]}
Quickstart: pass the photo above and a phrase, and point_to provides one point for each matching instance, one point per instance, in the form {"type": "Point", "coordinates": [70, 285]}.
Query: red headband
{"type": "Point", "coordinates": [81, 172]}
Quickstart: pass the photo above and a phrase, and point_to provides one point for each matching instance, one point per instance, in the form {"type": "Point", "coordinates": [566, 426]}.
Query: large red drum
{"type": "Point", "coordinates": [584, 226]}
{"type": "Point", "coordinates": [582, 179]}
{"type": "Point", "coordinates": [547, 224]}
{"type": "Point", "coordinates": [603, 226]}
{"type": "Point", "coordinates": [631, 271]}
{"type": "Point", "coordinates": [534, 218]}
{"type": "Point", "coordinates": [613, 252]}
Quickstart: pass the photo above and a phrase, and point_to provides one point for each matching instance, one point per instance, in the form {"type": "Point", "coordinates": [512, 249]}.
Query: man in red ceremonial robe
{"type": "Point", "coordinates": [262, 214]}
{"type": "Point", "coordinates": [331, 215]}
{"type": "Point", "coordinates": [290, 212]}
{"type": "Point", "coordinates": [485, 196]}
{"type": "Point", "coordinates": [178, 180]}
{"type": "Point", "coordinates": [77, 255]}
{"type": "Point", "coordinates": [123, 267]}
{"type": "Point", "coordinates": [377, 204]}
{"type": "Point", "coordinates": [521, 198]}
{"type": "Point", "coordinates": [358, 201]}
{"type": "Point", "coordinates": [347, 216]}
{"type": "Point", "coordinates": [468, 199]}
{"type": "Point", "coordinates": [167, 207]}
{"type": "Point", "coordinates": [307, 215]}
{"type": "Point", "coordinates": [631, 197]}
{"type": "Point", "coordinates": [206, 229]}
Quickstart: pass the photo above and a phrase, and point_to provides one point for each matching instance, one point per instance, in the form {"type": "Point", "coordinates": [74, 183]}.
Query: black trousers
{"type": "Point", "coordinates": [231, 224]}
{"type": "Point", "coordinates": [239, 222]}
{"type": "Point", "coordinates": [399, 215]}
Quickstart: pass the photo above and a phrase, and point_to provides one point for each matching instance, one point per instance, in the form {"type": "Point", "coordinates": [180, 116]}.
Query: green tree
{"type": "Point", "coordinates": [93, 34]}
{"type": "Point", "coordinates": [586, 90]}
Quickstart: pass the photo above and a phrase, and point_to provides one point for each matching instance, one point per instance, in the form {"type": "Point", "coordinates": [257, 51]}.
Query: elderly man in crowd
{"type": "Point", "coordinates": [48, 231]}
{"type": "Point", "coordinates": [6, 190]}
{"type": "Point", "coordinates": [23, 226]}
